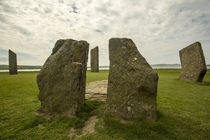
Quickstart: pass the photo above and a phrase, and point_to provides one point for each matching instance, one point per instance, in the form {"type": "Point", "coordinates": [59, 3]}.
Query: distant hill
{"type": "Point", "coordinates": [6, 67]}
{"type": "Point", "coordinates": [166, 65]}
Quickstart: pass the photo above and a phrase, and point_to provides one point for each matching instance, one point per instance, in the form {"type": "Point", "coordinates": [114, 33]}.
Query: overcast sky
{"type": "Point", "coordinates": [159, 28]}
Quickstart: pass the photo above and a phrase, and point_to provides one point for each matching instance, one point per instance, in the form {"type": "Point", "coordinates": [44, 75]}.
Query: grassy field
{"type": "Point", "coordinates": [183, 112]}
{"type": "Point", "coordinates": [6, 67]}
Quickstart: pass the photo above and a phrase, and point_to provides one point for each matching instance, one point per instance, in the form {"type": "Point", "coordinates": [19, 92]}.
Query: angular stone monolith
{"type": "Point", "coordinates": [132, 83]}
{"type": "Point", "coordinates": [62, 79]}
{"type": "Point", "coordinates": [193, 63]}
{"type": "Point", "coordinates": [12, 62]}
{"type": "Point", "coordinates": [94, 60]}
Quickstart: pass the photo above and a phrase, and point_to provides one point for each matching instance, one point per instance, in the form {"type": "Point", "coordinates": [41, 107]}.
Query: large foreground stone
{"type": "Point", "coordinates": [193, 63]}
{"type": "Point", "coordinates": [62, 79]}
{"type": "Point", "coordinates": [132, 83]}
{"type": "Point", "coordinates": [94, 60]}
{"type": "Point", "coordinates": [12, 62]}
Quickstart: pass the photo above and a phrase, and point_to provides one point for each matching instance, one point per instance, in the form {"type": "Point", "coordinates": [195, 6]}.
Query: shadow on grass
{"type": "Point", "coordinates": [167, 127]}
{"type": "Point", "coordinates": [203, 83]}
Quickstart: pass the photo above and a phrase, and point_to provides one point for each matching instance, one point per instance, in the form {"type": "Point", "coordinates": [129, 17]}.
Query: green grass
{"type": "Point", "coordinates": [183, 112]}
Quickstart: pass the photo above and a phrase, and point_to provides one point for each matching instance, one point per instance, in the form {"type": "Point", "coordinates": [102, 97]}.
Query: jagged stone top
{"type": "Point", "coordinates": [129, 52]}
{"type": "Point", "coordinates": [192, 45]}
{"type": "Point", "coordinates": [59, 43]}
{"type": "Point", "coordinates": [10, 51]}
{"type": "Point", "coordinates": [96, 48]}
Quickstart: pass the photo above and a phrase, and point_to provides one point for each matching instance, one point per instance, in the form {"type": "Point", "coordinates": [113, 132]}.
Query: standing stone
{"type": "Point", "coordinates": [94, 60]}
{"type": "Point", "coordinates": [62, 79]}
{"type": "Point", "coordinates": [12, 62]}
{"type": "Point", "coordinates": [132, 83]}
{"type": "Point", "coordinates": [193, 63]}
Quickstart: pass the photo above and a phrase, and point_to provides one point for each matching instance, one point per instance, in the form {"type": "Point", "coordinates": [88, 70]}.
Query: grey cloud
{"type": "Point", "coordinates": [103, 27]}
{"type": "Point", "coordinates": [98, 30]}
{"type": "Point", "coordinates": [18, 28]}
{"type": "Point", "coordinates": [202, 19]}
{"type": "Point", "coordinates": [26, 2]}
{"type": "Point", "coordinates": [105, 10]}
{"type": "Point", "coordinates": [6, 8]}
{"type": "Point", "coordinates": [47, 10]}
{"type": "Point", "coordinates": [62, 19]}
{"type": "Point", "coordinates": [102, 9]}
{"type": "Point", "coordinates": [12, 25]}
{"type": "Point", "coordinates": [116, 13]}
{"type": "Point", "coordinates": [3, 19]}
{"type": "Point", "coordinates": [36, 9]}
{"type": "Point", "coordinates": [22, 30]}
{"type": "Point", "coordinates": [74, 8]}
{"type": "Point", "coordinates": [61, 1]}
{"type": "Point", "coordinates": [89, 1]}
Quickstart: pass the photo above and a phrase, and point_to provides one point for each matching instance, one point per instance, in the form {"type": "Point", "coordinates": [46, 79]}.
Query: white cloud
{"type": "Point", "coordinates": [158, 28]}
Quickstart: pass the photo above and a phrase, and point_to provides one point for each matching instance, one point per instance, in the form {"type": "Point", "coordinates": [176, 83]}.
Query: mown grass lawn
{"type": "Point", "coordinates": [183, 112]}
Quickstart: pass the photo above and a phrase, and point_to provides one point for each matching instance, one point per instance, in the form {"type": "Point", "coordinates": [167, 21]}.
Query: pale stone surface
{"type": "Point", "coordinates": [62, 79]}
{"type": "Point", "coordinates": [94, 60]}
{"type": "Point", "coordinates": [12, 62]}
{"type": "Point", "coordinates": [193, 63]}
{"type": "Point", "coordinates": [132, 83]}
{"type": "Point", "coordinates": [97, 90]}
{"type": "Point", "coordinates": [89, 127]}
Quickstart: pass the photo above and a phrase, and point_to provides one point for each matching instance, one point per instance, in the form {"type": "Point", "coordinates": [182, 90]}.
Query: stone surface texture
{"type": "Point", "coordinates": [96, 90]}
{"type": "Point", "coordinates": [62, 79]}
{"type": "Point", "coordinates": [12, 62]}
{"type": "Point", "coordinates": [94, 61]}
{"type": "Point", "coordinates": [193, 63]}
{"type": "Point", "coordinates": [132, 83]}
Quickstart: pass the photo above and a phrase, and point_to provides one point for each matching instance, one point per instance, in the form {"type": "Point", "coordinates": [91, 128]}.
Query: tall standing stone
{"type": "Point", "coordinates": [12, 62]}
{"type": "Point", "coordinates": [94, 60]}
{"type": "Point", "coordinates": [193, 63]}
{"type": "Point", "coordinates": [132, 83]}
{"type": "Point", "coordinates": [62, 79]}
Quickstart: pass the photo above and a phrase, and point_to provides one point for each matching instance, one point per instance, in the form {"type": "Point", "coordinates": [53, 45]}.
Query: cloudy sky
{"type": "Point", "coordinates": [159, 28]}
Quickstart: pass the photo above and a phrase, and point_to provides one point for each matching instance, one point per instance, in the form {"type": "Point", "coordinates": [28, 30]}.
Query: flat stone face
{"type": "Point", "coordinates": [12, 62]}
{"type": "Point", "coordinates": [132, 83]}
{"type": "Point", "coordinates": [96, 90]}
{"type": "Point", "coordinates": [94, 60]}
{"type": "Point", "coordinates": [62, 79]}
{"type": "Point", "coordinates": [193, 63]}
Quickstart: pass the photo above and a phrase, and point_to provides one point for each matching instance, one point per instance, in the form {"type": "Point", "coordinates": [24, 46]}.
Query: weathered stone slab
{"type": "Point", "coordinates": [96, 90]}
{"type": "Point", "coordinates": [132, 83]}
{"type": "Point", "coordinates": [193, 63]}
{"type": "Point", "coordinates": [94, 60]}
{"type": "Point", "coordinates": [12, 62]}
{"type": "Point", "coordinates": [62, 79]}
